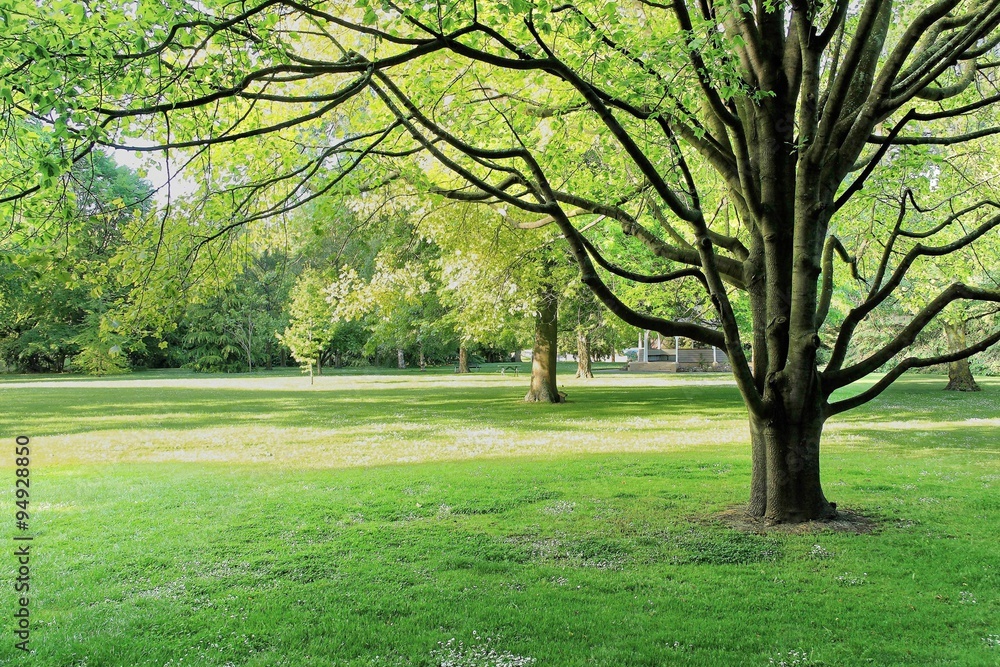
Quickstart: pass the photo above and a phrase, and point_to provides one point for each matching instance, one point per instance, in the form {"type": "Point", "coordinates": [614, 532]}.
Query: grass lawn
{"type": "Point", "coordinates": [412, 518]}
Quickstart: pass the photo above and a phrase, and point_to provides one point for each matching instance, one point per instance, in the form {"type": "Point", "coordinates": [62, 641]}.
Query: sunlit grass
{"type": "Point", "coordinates": [372, 519]}
{"type": "Point", "coordinates": [351, 420]}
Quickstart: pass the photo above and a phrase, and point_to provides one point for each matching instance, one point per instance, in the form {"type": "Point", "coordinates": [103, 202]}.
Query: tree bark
{"type": "Point", "coordinates": [785, 477]}
{"type": "Point", "coordinates": [959, 374]}
{"type": "Point", "coordinates": [583, 369]}
{"type": "Point", "coordinates": [463, 360]}
{"type": "Point", "coordinates": [319, 364]}
{"type": "Point", "coordinates": [400, 359]}
{"type": "Point", "coordinates": [543, 357]}
{"type": "Point", "coordinates": [758, 472]}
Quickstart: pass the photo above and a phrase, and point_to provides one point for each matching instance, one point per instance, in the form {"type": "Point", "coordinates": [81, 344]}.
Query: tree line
{"type": "Point", "coordinates": [341, 294]}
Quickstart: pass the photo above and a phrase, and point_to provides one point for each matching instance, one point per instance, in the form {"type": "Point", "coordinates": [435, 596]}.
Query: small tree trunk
{"type": "Point", "coordinates": [423, 360]}
{"type": "Point", "coordinates": [319, 364]}
{"type": "Point", "coordinates": [400, 360]}
{"type": "Point", "coordinates": [583, 369]}
{"type": "Point", "coordinates": [959, 374]}
{"type": "Point", "coordinates": [250, 343]}
{"type": "Point", "coordinates": [463, 360]}
{"type": "Point", "coordinates": [338, 362]}
{"type": "Point", "coordinates": [543, 358]}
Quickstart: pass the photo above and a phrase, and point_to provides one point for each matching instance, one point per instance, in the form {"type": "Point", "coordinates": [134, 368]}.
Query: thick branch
{"type": "Point", "coordinates": [836, 379]}
{"type": "Point", "coordinates": [589, 276]}
{"type": "Point", "coordinates": [938, 93]}
{"type": "Point", "coordinates": [905, 365]}
{"type": "Point", "coordinates": [859, 313]}
{"type": "Point", "coordinates": [701, 71]}
{"type": "Point", "coordinates": [732, 269]}
{"type": "Point", "coordinates": [639, 277]}
{"type": "Point", "coordinates": [833, 244]}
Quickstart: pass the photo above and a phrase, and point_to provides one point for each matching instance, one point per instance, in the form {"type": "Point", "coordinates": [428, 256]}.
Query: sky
{"type": "Point", "coordinates": [155, 167]}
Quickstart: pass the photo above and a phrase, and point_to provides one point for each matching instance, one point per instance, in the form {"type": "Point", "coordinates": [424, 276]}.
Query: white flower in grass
{"type": "Point", "coordinates": [481, 653]}
{"type": "Point", "coordinates": [794, 658]}
{"type": "Point", "coordinates": [819, 553]}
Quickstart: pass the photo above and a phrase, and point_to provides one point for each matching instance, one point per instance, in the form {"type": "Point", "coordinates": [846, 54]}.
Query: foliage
{"type": "Point", "coordinates": [314, 331]}
{"type": "Point", "coordinates": [234, 327]}
{"type": "Point", "coordinates": [57, 287]}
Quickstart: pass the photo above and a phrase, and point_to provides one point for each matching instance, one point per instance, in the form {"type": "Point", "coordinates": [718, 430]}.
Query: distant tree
{"type": "Point", "coordinates": [315, 333]}
{"type": "Point", "coordinates": [233, 326]}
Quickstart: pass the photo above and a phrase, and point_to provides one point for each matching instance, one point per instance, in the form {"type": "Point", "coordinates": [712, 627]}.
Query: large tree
{"type": "Point", "coordinates": [655, 115]}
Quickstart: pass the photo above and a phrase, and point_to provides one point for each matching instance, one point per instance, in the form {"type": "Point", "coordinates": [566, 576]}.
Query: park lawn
{"type": "Point", "coordinates": [428, 519]}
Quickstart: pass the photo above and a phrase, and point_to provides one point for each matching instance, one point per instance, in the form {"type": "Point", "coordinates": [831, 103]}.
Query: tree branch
{"type": "Point", "coordinates": [638, 277]}
{"type": "Point", "coordinates": [732, 269]}
{"type": "Point", "coordinates": [860, 312]}
{"type": "Point", "coordinates": [832, 245]}
{"type": "Point", "coordinates": [934, 141]}
{"type": "Point", "coordinates": [902, 367]}
{"type": "Point", "coordinates": [836, 379]}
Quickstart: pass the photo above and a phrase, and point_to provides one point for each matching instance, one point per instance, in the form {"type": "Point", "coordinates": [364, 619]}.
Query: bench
{"type": "Point", "coordinates": [471, 367]}
{"type": "Point", "coordinates": [504, 369]}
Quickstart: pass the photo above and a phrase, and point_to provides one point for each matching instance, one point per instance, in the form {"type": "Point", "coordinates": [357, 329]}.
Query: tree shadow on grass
{"type": "Point", "coordinates": [49, 410]}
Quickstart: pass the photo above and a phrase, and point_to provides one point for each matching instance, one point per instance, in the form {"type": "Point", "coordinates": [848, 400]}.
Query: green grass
{"type": "Point", "coordinates": [370, 519]}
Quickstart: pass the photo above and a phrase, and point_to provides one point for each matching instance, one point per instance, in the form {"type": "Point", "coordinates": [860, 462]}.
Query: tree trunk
{"type": "Point", "coordinates": [249, 344]}
{"type": "Point", "coordinates": [423, 360]}
{"type": "Point", "coordinates": [583, 355]}
{"type": "Point", "coordinates": [959, 374]}
{"type": "Point", "coordinates": [400, 360]}
{"type": "Point", "coordinates": [463, 360]}
{"type": "Point", "coordinates": [543, 357]}
{"type": "Point", "coordinates": [758, 472]}
{"type": "Point", "coordinates": [785, 475]}
{"type": "Point", "coordinates": [319, 364]}
{"type": "Point", "coordinates": [338, 362]}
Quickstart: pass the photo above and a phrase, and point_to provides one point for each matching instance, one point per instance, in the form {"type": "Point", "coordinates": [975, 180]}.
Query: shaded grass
{"type": "Point", "coordinates": [574, 534]}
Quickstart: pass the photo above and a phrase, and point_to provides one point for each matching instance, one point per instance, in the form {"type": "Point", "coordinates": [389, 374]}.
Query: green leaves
{"type": "Point", "coordinates": [61, 284]}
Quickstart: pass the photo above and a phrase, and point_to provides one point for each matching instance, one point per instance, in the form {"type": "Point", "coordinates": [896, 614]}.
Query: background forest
{"type": "Point", "coordinates": [329, 286]}
{"type": "Point", "coordinates": [377, 284]}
